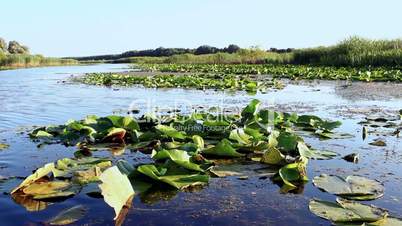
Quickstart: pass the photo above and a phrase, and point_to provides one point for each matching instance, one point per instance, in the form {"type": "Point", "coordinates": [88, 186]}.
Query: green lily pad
{"type": "Point", "coordinates": [293, 173]}
{"type": "Point", "coordinates": [346, 211]}
{"type": "Point", "coordinates": [240, 136]}
{"type": "Point", "coordinates": [352, 187]}
{"type": "Point", "coordinates": [314, 154]}
{"type": "Point", "coordinates": [171, 132]}
{"type": "Point", "coordinates": [240, 169]}
{"type": "Point", "coordinates": [224, 148]}
{"type": "Point", "coordinates": [180, 157]}
{"type": "Point", "coordinates": [273, 157]}
{"type": "Point", "coordinates": [179, 180]}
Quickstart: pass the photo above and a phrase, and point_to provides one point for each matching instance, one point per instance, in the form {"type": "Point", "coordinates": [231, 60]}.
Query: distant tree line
{"type": "Point", "coordinates": [13, 47]}
{"type": "Point", "coordinates": [164, 52]}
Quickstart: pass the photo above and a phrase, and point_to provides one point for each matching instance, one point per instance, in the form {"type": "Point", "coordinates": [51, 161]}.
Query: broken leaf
{"type": "Point", "coordinates": [116, 189]}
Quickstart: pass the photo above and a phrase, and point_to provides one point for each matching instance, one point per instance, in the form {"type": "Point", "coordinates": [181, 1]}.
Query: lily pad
{"type": "Point", "coordinates": [314, 154]}
{"type": "Point", "coordinates": [39, 173]}
{"type": "Point", "coordinates": [378, 142]}
{"type": "Point", "coordinates": [179, 157]}
{"type": "Point", "coordinates": [179, 180]}
{"type": "Point", "coordinates": [68, 216]}
{"type": "Point", "coordinates": [171, 132]}
{"type": "Point", "coordinates": [224, 148]}
{"type": "Point", "coordinates": [346, 211]}
{"type": "Point", "coordinates": [352, 187]}
{"type": "Point", "coordinates": [293, 173]}
{"type": "Point", "coordinates": [240, 169]}
{"type": "Point", "coordinates": [116, 189]}
{"type": "Point", "coordinates": [273, 157]}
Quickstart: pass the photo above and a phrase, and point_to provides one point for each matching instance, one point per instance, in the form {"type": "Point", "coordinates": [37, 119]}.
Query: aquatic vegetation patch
{"type": "Point", "coordinates": [193, 81]}
{"type": "Point", "coordinates": [185, 151]}
{"type": "Point", "coordinates": [294, 72]}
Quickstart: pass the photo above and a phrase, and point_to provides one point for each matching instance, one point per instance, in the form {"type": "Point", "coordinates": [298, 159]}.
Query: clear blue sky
{"type": "Point", "coordinates": [88, 27]}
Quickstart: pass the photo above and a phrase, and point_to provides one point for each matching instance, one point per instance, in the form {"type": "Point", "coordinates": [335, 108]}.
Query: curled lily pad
{"type": "Point", "coordinates": [180, 157]}
{"type": "Point", "coordinates": [171, 132]}
{"type": "Point", "coordinates": [293, 173]}
{"type": "Point", "coordinates": [346, 211]}
{"type": "Point", "coordinates": [68, 216]}
{"type": "Point", "coordinates": [115, 135]}
{"type": "Point", "coordinates": [314, 154]}
{"type": "Point", "coordinates": [50, 190]}
{"type": "Point", "coordinates": [273, 157]}
{"type": "Point", "coordinates": [351, 187]}
{"type": "Point", "coordinates": [223, 148]}
{"type": "Point", "coordinates": [240, 136]}
{"type": "Point", "coordinates": [178, 179]}
{"type": "Point", "coordinates": [116, 189]}
{"type": "Point", "coordinates": [39, 173]}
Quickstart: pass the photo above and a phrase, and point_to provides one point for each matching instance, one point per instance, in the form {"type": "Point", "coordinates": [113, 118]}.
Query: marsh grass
{"type": "Point", "coordinates": [8, 61]}
{"type": "Point", "coordinates": [353, 52]}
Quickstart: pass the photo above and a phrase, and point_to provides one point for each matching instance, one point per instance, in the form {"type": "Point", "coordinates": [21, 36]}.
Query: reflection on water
{"type": "Point", "coordinates": [38, 97]}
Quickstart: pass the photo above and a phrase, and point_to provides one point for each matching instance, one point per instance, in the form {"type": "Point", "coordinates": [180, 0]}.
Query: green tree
{"type": "Point", "coordinates": [3, 45]}
{"type": "Point", "coordinates": [16, 48]}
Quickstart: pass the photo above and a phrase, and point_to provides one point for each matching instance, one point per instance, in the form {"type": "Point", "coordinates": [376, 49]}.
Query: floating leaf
{"type": "Point", "coordinates": [68, 216]}
{"type": "Point", "coordinates": [291, 173]}
{"type": "Point", "coordinates": [180, 157]}
{"type": "Point", "coordinates": [273, 157]}
{"type": "Point", "coordinates": [314, 154]}
{"type": "Point", "coordinates": [179, 180]}
{"type": "Point", "coordinates": [346, 211]}
{"type": "Point", "coordinates": [242, 169]}
{"type": "Point", "coordinates": [171, 132]}
{"type": "Point", "coordinates": [353, 187]}
{"type": "Point", "coordinates": [39, 173]}
{"type": "Point", "coordinates": [240, 136]}
{"type": "Point", "coordinates": [116, 189]}
{"type": "Point", "coordinates": [378, 143]}
{"type": "Point", "coordinates": [223, 148]}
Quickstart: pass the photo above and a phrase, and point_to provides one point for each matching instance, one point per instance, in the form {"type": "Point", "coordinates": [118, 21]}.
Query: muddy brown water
{"type": "Point", "coordinates": [37, 96]}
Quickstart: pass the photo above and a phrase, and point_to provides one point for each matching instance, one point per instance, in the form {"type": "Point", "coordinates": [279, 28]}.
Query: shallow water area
{"type": "Point", "coordinates": [38, 96]}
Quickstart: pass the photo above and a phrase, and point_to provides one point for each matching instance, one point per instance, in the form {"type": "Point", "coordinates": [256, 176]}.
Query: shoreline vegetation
{"type": "Point", "coordinates": [355, 59]}
{"type": "Point", "coordinates": [14, 55]}
{"type": "Point", "coordinates": [351, 52]}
